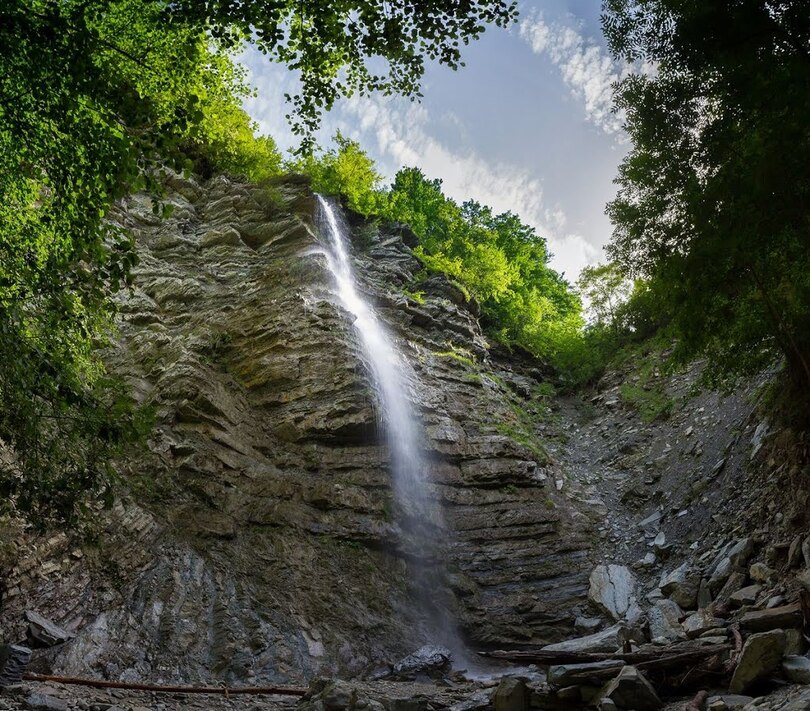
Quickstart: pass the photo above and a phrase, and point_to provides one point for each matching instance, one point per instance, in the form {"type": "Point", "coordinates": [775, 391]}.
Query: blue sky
{"type": "Point", "coordinates": [526, 126]}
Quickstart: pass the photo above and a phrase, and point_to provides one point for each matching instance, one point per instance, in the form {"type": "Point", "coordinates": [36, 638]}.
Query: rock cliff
{"type": "Point", "coordinates": [256, 535]}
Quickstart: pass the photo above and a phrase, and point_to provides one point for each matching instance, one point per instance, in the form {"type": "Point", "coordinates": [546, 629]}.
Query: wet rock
{"type": "Point", "coordinates": [587, 672]}
{"type": "Point", "coordinates": [511, 694]}
{"type": "Point", "coordinates": [796, 669]}
{"type": "Point", "coordinates": [430, 659]}
{"type": "Point", "coordinates": [477, 702]}
{"type": "Point", "coordinates": [631, 690]}
{"type": "Point", "coordinates": [613, 589]}
{"type": "Point", "coordinates": [664, 619]}
{"type": "Point", "coordinates": [14, 660]}
{"type": "Point", "coordinates": [761, 655]}
{"type": "Point", "coordinates": [44, 633]}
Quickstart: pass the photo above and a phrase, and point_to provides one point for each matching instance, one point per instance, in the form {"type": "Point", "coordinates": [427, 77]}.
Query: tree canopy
{"type": "Point", "coordinates": [97, 99]}
{"type": "Point", "coordinates": [712, 208]}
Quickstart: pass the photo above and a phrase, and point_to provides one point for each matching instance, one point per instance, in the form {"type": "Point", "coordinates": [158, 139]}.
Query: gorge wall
{"type": "Point", "coordinates": [255, 536]}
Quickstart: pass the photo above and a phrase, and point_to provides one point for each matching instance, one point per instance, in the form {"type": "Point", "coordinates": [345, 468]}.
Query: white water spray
{"type": "Point", "coordinates": [388, 372]}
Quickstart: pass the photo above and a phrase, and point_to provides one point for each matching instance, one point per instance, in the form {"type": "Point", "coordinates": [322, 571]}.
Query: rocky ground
{"type": "Point", "coordinates": [256, 541]}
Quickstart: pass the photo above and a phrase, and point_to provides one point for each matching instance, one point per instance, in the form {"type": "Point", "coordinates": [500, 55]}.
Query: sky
{"type": "Point", "coordinates": [525, 126]}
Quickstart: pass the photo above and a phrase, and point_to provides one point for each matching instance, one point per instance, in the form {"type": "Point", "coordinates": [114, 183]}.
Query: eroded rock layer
{"type": "Point", "coordinates": [259, 537]}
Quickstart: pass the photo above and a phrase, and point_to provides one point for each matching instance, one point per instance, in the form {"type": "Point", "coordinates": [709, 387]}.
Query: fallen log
{"type": "Point", "coordinates": [163, 688]}
{"type": "Point", "coordinates": [674, 654]}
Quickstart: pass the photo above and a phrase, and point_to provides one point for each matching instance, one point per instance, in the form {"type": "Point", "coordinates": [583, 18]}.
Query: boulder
{"type": "Point", "coordinates": [664, 618]}
{"type": "Point", "coordinates": [512, 694]}
{"type": "Point", "coordinates": [587, 672]}
{"type": "Point", "coordinates": [588, 624]}
{"type": "Point", "coordinates": [699, 622]}
{"type": "Point", "coordinates": [631, 690]}
{"type": "Point", "coordinates": [761, 573]}
{"type": "Point", "coordinates": [46, 702]}
{"type": "Point", "coordinates": [761, 655]}
{"type": "Point", "coordinates": [796, 669]}
{"type": "Point", "coordinates": [605, 641]}
{"type": "Point", "coordinates": [613, 589]}
{"type": "Point", "coordinates": [681, 586]}
{"type": "Point", "coordinates": [774, 618]}
{"type": "Point", "coordinates": [430, 659]}
{"type": "Point", "coordinates": [732, 556]}
{"type": "Point", "coordinates": [44, 633]}
{"type": "Point", "coordinates": [14, 660]}
{"type": "Point", "coordinates": [745, 596]}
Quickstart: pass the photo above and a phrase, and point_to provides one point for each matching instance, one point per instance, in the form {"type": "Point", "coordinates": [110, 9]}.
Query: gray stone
{"type": "Point", "coordinates": [568, 674]}
{"type": "Point", "coordinates": [732, 556]}
{"type": "Point", "coordinates": [699, 622]}
{"type": "Point", "coordinates": [477, 702]}
{"type": "Point", "coordinates": [511, 695]}
{"type": "Point", "coordinates": [664, 619]}
{"type": "Point", "coordinates": [704, 596]}
{"type": "Point", "coordinates": [795, 558]}
{"type": "Point", "coordinates": [588, 624]}
{"type": "Point", "coordinates": [631, 690]}
{"type": "Point", "coordinates": [806, 551]}
{"type": "Point", "coordinates": [14, 660]}
{"type": "Point", "coordinates": [761, 655]}
{"type": "Point", "coordinates": [761, 573]}
{"type": "Point", "coordinates": [795, 644]}
{"type": "Point", "coordinates": [46, 702]}
{"type": "Point", "coordinates": [605, 641]}
{"type": "Point", "coordinates": [613, 589]}
{"type": "Point", "coordinates": [776, 617]}
{"type": "Point", "coordinates": [430, 659]}
{"type": "Point", "coordinates": [746, 596]}
{"type": "Point", "coordinates": [727, 701]}
{"type": "Point", "coordinates": [44, 633]}
{"type": "Point", "coordinates": [796, 669]}
{"type": "Point", "coordinates": [681, 586]}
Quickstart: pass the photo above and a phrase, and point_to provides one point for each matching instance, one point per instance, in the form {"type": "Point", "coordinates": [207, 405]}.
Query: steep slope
{"type": "Point", "coordinates": [258, 537]}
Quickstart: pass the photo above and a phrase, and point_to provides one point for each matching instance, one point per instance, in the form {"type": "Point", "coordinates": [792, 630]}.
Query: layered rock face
{"type": "Point", "coordinates": [260, 537]}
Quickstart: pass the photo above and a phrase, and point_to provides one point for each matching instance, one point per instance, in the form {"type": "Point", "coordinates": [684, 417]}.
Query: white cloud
{"type": "Point", "coordinates": [401, 132]}
{"type": "Point", "coordinates": [585, 67]}
{"type": "Point", "coordinates": [397, 133]}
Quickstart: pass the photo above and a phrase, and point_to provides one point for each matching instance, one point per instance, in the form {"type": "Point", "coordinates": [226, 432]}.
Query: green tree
{"type": "Point", "coordinates": [344, 47]}
{"type": "Point", "coordinates": [496, 258]}
{"type": "Point", "coordinates": [345, 169]}
{"type": "Point", "coordinates": [97, 99]}
{"type": "Point", "coordinates": [712, 208]}
{"type": "Point", "coordinates": [605, 288]}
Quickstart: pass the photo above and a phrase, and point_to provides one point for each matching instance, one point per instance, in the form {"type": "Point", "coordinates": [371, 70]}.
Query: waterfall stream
{"type": "Point", "coordinates": [418, 514]}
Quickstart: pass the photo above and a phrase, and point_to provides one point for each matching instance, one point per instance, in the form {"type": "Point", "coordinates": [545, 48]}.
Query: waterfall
{"type": "Point", "coordinates": [418, 513]}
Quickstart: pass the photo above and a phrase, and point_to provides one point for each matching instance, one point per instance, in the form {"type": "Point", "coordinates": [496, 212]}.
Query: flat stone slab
{"type": "Point", "coordinates": [569, 674]}
{"type": "Point", "coordinates": [605, 641]}
{"type": "Point", "coordinates": [775, 618]}
{"type": "Point", "coordinates": [613, 589]}
{"type": "Point", "coordinates": [761, 654]}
